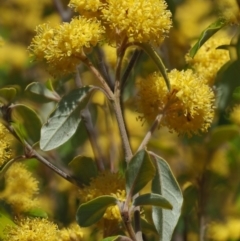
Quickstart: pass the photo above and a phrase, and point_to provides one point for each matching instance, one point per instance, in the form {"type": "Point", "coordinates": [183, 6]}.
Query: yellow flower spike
{"type": "Point", "coordinates": [106, 183]}
{"type": "Point", "coordinates": [62, 47]}
{"type": "Point", "coordinates": [139, 20]}
{"type": "Point", "coordinates": [36, 229]}
{"type": "Point", "coordinates": [187, 108]}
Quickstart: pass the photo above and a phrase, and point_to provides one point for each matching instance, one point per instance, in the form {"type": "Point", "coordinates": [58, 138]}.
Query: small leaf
{"type": "Point", "coordinates": [37, 212]}
{"type": "Point", "coordinates": [42, 92]}
{"type": "Point", "coordinates": [84, 168]}
{"type": "Point", "coordinates": [157, 60]}
{"type": "Point", "coordinates": [64, 120]}
{"type": "Point", "coordinates": [236, 94]}
{"type": "Point", "coordinates": [206, 34]}
{"type": "Point", "coordinates": [92, 211]}
{"type": "Point", "coordinates": [8, 94]}
{"type": "Point", "coordinates": [222, 134]}
{"type": "Point", "coordinates": [152, 199]}
{"type": "Point", "coordinates": [28, 122]}
{"type": "Point", "coordinates": [139, 172]}
{"type": "Point", "coordinates": [164, 183]}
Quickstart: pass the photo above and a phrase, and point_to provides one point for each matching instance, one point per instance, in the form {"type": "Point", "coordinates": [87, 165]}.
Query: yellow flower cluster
{"type": "Point", "coordinates": [20, 189]}
{"type": "Point", "coordinates": [62, 47]}
{"type": "Point", "coordinates": [138, 20]}
{"type": "Point", "coordinates": [32, 229]}
{"type": "Point", "coordinates": [106, 183]}
{"type": "Point", "coordinates": [5, 145]}
{"type": "Point", "coordinates": [235, 115]}
{"type": "Point", "coordinates": [73, 232]}
{"type": "Point", "coordinates": [209, 59]}
{"type": "Point", "coordinates": [225, 231]}
{"type": "Point", "coordinates": [187, 108]}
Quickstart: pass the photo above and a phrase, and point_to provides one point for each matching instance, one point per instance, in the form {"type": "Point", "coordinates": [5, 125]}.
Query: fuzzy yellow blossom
{"type": "Point", "coordinates": [5, 145]}
{"type": "Point", "coordinates": [20, 189]}
{"type": "Point", "coordinates": [138, 20]}
{"type": "Point", "coordinates": [187, 108]}
{"type": "Point", "coordinates": [73, 232]}
{"type": "Point", "coordinates": [62, 47]}
{"type": "Point", "coordinates": [87, 8]}
{"type": "Point", "coordinates": [35, 229]}
{"type": "Point", "coordinates": [106, 183]}
{"type": "Point", "coordinates": [209, 59]}
{"type": "Point", "coordinates": [235, 115]}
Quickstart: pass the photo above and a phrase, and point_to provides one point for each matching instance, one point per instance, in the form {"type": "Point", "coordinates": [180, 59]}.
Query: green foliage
{"type": "Point", "coordinates": [64, 120]}
{"type": "Point", "coordinates": [152, 199]}
{"type": "Point", "coordinates": [84, 168]}
{"type": "Point", "coordinates": [92, 211]}
{"type": "Point", "coordinates": [139, 172]}
{"type": "Point", "coordinates": [206, 34]}
{"type": "Point", "coordinates": [164, 183]}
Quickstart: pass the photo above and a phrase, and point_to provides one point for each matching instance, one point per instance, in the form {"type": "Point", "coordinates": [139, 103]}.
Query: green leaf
{"type": "Point", "coordinates": [64, 120]}
{"type": "Point", "coordinates": [157, 60]}
{"type": "Point", "coordinates": [152, 199]}
{"type": "Point", "coordinates": [236, 94]}
{"type": "Point", "coordinates": [37, 212]}
{"type": "Point", "coordinates": [28, 123]}
{"type": "Point", "coordinates": [222, 134]}
{"type": "Point", "coordinates": [206, 34]}
{"type": "Point", "coordinates": [84, 168]}
{"type": "Point", "coordinates": [139, 172]}
{"type": "Point", "coordinates": [92, 211]}
{"type": "Point", "coordinates": [164, 183]}
{"type": "Point", "coordinates": [41, 91]}
{"type": "Point", "coordinates": [117, 238]}
{"type": "Point", "coordinates": [5, 221]}
{"type": "Point", "coordinates": [7, 94]}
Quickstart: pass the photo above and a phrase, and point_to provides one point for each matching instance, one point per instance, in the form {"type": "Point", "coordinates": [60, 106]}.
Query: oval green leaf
{"type": "Point", "coordinates": [139, 172]}
{"type": "Point", "coordinates": [42, 92]}
{"type": "Point", "coordinates": [28, 123]}
{"type": "Point", "coordinates": [164, 183]}
{"type": "Point", "coordinates": [206, 34]}
{"type": "Point", "coordinates": [152, 199]}
{"type": "Point", "coordinates": [7, 94]}
{"type": "Point", "coordinates": [92, 211]}
{"type": "Point", "coordinates": [5, 220]}
{"type": "Point", "coordinates": [117, 238]}
{"type": "Point", "coordinates": [64, 120]}
{"type": "Point", "coordinates": [84, 168]}
{"type": "Point", "coordinates": [37, 212]}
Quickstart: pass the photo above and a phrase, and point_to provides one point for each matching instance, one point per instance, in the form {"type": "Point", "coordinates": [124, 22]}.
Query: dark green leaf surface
{"type": "Point", "coordinates": [139, 172]}
{"type": "Point", "coordinates": [84, 168]}
{"type": "Point", "coordinates": [236, 94]}
{"type": "Point", "coordinates": [117, 238]}
{"type": "Point", "coordinates": [42, 92]}
{"type": "Point", "coordinates": [92, 211]}
{"type": "Point", "coordinates": [64, 120]}
{"type": "Point", "coordinates": [5, 220]}
{"type": "Point", "coordinates": [7, 94]}
{"type": "Point", "coordinates": [206, 34]}
{"type": "Point", "coordinates": [28, 123]}
{"type": "Point", "coordinates": [37, 212]}
{"type": "Point", "coordinates": [152, 199]}
{"type": "Point", "coordinates": [164, 183]}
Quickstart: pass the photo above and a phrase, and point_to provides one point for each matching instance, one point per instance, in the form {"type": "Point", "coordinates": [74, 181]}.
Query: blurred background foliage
{"type": "Point", "coordinates": [207, 167]}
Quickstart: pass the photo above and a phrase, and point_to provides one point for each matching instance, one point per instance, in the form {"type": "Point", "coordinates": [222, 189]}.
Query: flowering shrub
{"type": "Point", "coordinates": [122, 123]}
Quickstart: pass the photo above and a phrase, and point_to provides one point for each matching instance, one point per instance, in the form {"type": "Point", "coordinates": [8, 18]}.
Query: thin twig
{"type": "Point", "coordinates": [150, 132]}
{"type": "Point", "coordinates": [65, 14]}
